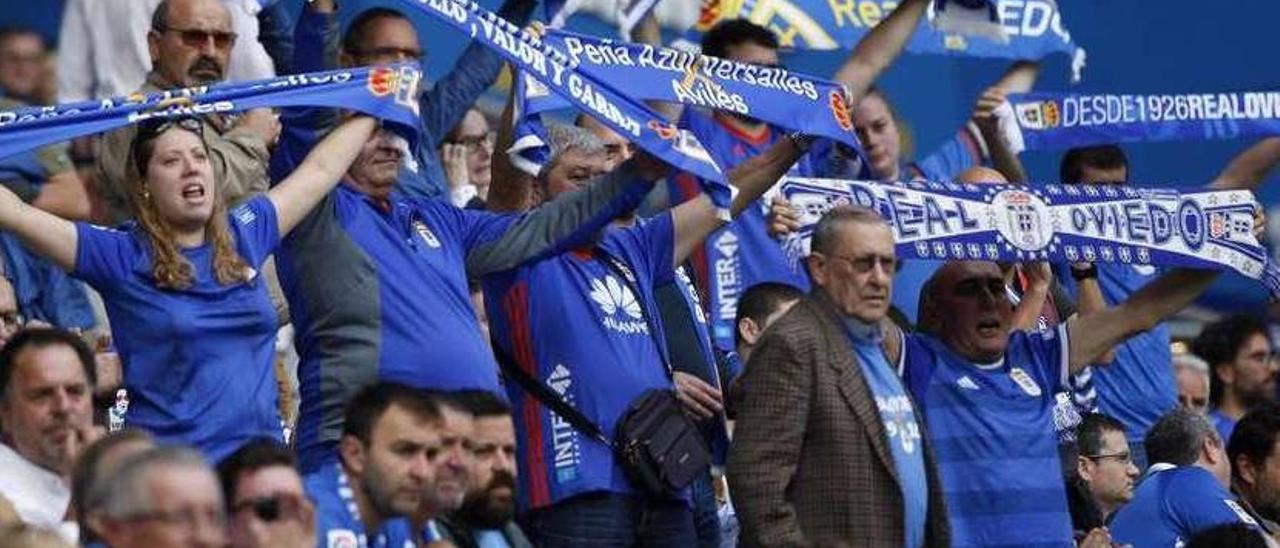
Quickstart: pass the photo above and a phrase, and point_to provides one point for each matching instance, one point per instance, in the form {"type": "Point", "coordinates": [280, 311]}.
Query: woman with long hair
{"type": "Point", "coordinates": [189, 313]}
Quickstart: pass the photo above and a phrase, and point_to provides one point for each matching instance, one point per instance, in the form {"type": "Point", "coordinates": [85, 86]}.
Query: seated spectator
{"type": "Point", "coordinates": [46, 391]}
{"type": "Point", "coordinates": [99, 462]}
{"type": "Point", "coordinates": [206, 380]}
{"type": "Point", "coordinates": [450, 483]}
{"type": "Point", "coordinates": [1186, 489]}
{"type": "Point", "coordinates": [1243, 369]}
{"type": "Point", "coordinates": [1192, 375]}
{"type": "Point", "coordinates": [1104, 475]}
{"type": "Point", "coordinates": [267, 505]}
{"type": "Point", "coordinates": [485, 518]}
{"type": "Point", "coordinates": [388, 455]}
{"type": "Point", "coordinates": [467, 153]}
{"type": "Point", "coordinates": [105, 53]}
{"type": "Point", "coordinates": [164, 498]}
{"type": "Point", "coordinates": [190, 44]}
{"type": "Point", "coordinates": [1255, 464]}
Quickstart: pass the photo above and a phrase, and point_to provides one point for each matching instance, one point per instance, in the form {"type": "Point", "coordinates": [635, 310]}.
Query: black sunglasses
{"type": "Point", "coordinates": [150, 128]}
{"type": "Point", "coordinates": [267, 509]}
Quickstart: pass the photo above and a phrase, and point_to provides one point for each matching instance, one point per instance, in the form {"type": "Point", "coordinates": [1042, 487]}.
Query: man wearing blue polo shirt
{"type": "Point", "coordinates": [988, 395]}
{"type": "Point", "coordinates": [583, 322]}
{"type": "Point", "coordinates": [1186, 490]}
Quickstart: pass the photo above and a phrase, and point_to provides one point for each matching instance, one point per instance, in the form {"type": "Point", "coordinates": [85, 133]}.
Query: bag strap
{"type": "Point", "coordinates": [628, 277]}
{"type": "Point", "coordinates": [549, 397]}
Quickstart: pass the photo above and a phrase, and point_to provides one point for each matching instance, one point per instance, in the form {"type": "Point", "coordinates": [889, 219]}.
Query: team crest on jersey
{"type": "Point", "coordinates": [342, 538]}
{"type": "Point", "coordinates": [1025, 382]}
{"type": "Point", "coordinates": [426, 234]}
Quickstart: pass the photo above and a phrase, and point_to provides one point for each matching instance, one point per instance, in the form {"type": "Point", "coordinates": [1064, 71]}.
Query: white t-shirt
{"type": "Point", "coordinates": [39, 496]}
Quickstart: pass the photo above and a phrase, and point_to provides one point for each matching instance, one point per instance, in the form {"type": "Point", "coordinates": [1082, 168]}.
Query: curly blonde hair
{"type": "Point", "coordinates": [169, 268]}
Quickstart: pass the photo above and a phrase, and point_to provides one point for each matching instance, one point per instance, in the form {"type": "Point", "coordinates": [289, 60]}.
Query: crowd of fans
{"type": "Point", "coordinates": [305, 331]}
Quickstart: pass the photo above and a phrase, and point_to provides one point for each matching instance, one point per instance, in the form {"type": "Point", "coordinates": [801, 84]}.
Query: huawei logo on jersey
{"type": "Point", "coordinates": [621, 309]}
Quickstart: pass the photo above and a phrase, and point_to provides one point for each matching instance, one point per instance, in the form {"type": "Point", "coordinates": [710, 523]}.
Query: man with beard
{"type": "Point", "coordinates": [485, 518]}
{"type": "Point", "coordinates": [1255, 463]}
{"type": "Point", "coordinates": [1243, 370]}
{"type": "Point", "coordinates": [46, 398]}
{"type": "Point", "coordinates": [190, 43]}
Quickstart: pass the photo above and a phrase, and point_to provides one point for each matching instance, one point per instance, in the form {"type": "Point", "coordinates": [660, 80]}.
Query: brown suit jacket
{"type": "Point", "coordinates": [810, 463]}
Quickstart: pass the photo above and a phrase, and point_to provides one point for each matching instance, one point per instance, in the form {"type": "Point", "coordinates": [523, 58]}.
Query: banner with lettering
{"type": "Point", "coordinates": [1057, 120]}
{"type": "Point", "coordinates": [1034, 27]}
{"type": "Point", "coordinates": [584, 91]}
{"type": "Point", "coordinates": [389, 93]}
{"type": "Point", "coordinates": [1103, 223]}
{"type": "Point", "coordinates": [788, 99]}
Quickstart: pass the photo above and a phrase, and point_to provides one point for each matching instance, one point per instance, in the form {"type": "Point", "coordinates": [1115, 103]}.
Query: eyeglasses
{"type": "Point", "coordinates": [1122, 458]}
{"type": "Point", "coordinates": [269, 509]}
{"type": "Point", "coordinates": [475, 142]}
{"type": "Point", "coordinates": [863, 265]}
{"type": "Point", "coordinates": [389, 54]}
{"type": "Point", "coordinates": [195, 38]}
{"type": "Point", "coordinates": [189, 518]}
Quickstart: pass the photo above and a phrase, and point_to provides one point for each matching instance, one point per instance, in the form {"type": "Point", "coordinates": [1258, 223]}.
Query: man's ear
{"type": "Point", "coordinates": [1084, 467]}
{"type": "Point", "coordinates": [816, 263]}
{"type": "Point", "coordinates": [1224, 373]}
{"type": "Point", "coordinates": [749, 331]}
{"type": "Point", "coordinates": [352, 452]}
{"type": "Point", "coordinates": [1247, 471]}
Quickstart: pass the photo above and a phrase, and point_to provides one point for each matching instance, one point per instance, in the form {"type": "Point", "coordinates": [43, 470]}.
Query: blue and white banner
{"type": "Point", "coordinates": [1034, 27]}
{"type": "Point", "coordinates": [788, 99]}
{"type": "Point", "coordinates": [1060, 120]}
{"type": "Point", "coordinates": [586, 92]}
{"type": "Point", "coordinates": [389, 93]}
{"type": "Point", "coordinates": [1104, 223]}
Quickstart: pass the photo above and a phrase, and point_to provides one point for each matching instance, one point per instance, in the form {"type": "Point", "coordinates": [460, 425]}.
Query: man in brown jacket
{"type": "Point", "coordinates": [829, 448]}
{"type": "Point", "coordinates": [190, 43]}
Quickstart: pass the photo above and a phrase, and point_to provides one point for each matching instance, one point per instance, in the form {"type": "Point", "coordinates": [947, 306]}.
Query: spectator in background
{"type": "Point", "coordinates": [104, 49]}
{"type": "Point", "coordinates": [829, 447]}
{"type": "Point", "coordinates": [97, 464]}
{"type": "Point", "coordinates": [267, 505]}
{"type": "Point", "coordinates": [1186, 489]}
{"type": "Point", "coordinates": [387, 460]}
{"type": "Point", "coordinates": [46, 415]}
{"type": "Point", "coordinates": [1255, 463]}
{"type": "Point", "coordinates": [485, 518]}
{"type": "Point", "coordinates": [760, 306]}
{"type": "Point", "coordinates": [1138, 387]}
{"type": "Point", "coordinates": [22, 64]}
{"type": "Point", "coordinates": [467, 153]}
{"type": "Point", "coordinates": [208, 379]}
{"type": "Point", "coordinates": [1192, 376]}
{"type": "Point", "coordinates": [1104, 476]}
{"type": "Point", "coordinates": [164, 498]}
{"type": "Point", "coordinates": [1239, 355]}
{"type": "Point", "coordinates": [190, 43]}
{"type": "Point", "coordinates": [616, 148]}
{"type": "Point", "coordinates": [452, 479]}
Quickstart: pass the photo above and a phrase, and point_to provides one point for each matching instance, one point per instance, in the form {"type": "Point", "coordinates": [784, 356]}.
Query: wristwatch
{"type": "Point", "coordinates": [1081, 274]}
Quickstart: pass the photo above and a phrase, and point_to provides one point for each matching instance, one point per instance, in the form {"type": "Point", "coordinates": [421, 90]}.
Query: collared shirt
{"type": "Point", "coordinates": [992, 428]}
{"type": "Point", "coordinates": [1172, 504]}
{"type": "Point", "coordinates": [338, 520]}
{"type": "Point", "coordinates": [39, 496]}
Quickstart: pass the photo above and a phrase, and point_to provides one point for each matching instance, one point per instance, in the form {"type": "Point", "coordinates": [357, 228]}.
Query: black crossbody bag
{"type": "Point", "coordinates": [658, 445]}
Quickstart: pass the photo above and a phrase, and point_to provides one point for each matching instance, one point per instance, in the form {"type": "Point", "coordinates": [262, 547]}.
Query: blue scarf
{"type": "Point", "coordinates": [794, 101]}
{"type": "Point", "coordinates": [585, 91]}
{"type": "Point", "coordinates": [1064, 120]}
{"type": "Point", "coordinates": [1111, 224]}
{"type": "Point", "coordinates": [388, 93]}
{"type": "Point", "coordinates": [1034, 28]}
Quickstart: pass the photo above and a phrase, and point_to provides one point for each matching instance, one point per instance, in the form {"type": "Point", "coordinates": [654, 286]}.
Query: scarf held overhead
{"type": "Point", "coordinates": [389, 93]}
{"type": "Point", "coordinates": [1104, 223]}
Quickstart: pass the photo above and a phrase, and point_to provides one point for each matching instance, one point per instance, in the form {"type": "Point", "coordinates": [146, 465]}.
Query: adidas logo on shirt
{"type": "Point", "coordinates": [967, 383]}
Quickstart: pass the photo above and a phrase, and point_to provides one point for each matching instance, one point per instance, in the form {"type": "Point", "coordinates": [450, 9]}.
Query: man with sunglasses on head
{"type": "Point", "coordinates": [383, 35]}
{"type": "Point", "coordinates": [190, 44]}
{"type": "Point", "coordinates": [266, 503]}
